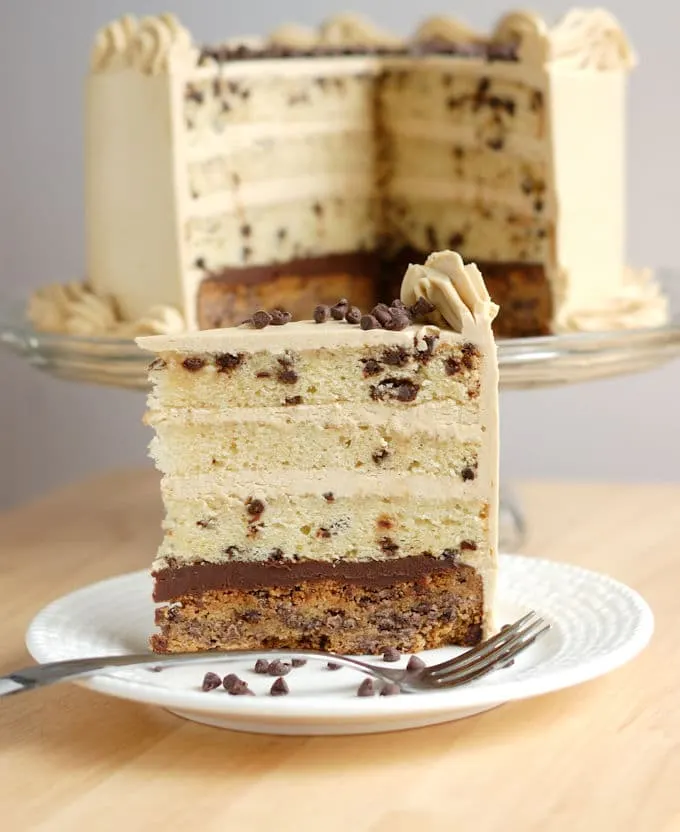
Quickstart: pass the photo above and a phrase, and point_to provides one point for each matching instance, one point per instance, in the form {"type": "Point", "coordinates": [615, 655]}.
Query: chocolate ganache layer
{"type": "Point", "coordinates": [192, 579]}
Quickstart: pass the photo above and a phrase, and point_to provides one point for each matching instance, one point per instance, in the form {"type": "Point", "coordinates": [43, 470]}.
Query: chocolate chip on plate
{"type": "Point", "coordinates": [391, 655]}
{"type": "Point", "coordinates": [366, 688]}
{"type": "Point", "coordinates": [261, 666]}
{"type": "Point", "coordinates": [390, 689]}
{"type": "Point", "coordinates": [333, 666]}
{"type": "Point", "coordinates": [240, 688]}
{"type": "Point", "coordinates": [278, 668]}
{"type": "Point", "coordinates": [299, 662]}
{"type": "Point", "coordinates": [279, 688]}
{"type": "Point", "coordinates": [229, 681]}
{"type": "Point", "coordinates": [415, 663]}
{"type": "Point", "coordinates": [210, 681]}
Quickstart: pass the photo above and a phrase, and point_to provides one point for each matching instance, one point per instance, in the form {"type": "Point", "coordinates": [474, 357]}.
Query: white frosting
{"type": "Point", "coordinates": [74, 309]}
{"type": "Point", "coordinates": [457, 291]}
{"type": "Point", "coordinates": [150, 46]}
{"type": "Point", "coordinates": [640, 304]}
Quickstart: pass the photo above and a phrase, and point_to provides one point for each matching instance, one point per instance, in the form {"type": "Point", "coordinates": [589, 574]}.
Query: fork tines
{"type": "Point", "coordinates": [489, 654]}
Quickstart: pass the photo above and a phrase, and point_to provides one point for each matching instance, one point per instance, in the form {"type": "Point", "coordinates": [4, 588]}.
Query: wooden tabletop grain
{"type": "Point", "coordinates": [604, 756]}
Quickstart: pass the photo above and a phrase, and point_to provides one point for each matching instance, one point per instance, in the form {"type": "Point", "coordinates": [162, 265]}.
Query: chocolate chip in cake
{"type": "Point", "coordinates": [318, 209]}
{"type": "Point", "coordinates": [254, 507]}
{"type": "Point", "coordinates": [229, 681]}
{"type": "Point", "coordinates": [422, 307]}
{"type": "Point", "coordinates": [391, 654]}
{"type": "Point", "coordinates": [279, 687]}
{"type": "Point", "coordinates": [210, 681]}
{"type": "Point", "coordinates": [366, 688]}
{"type": "Point", "coordinates": [157, 364]}
{"type": "Point", "coordinates": [452, 366]}
{"type": "Point", "coordinates": [390, 689]}
{"type": "Point", "coordinates": [287, 376]}
{"type": "Point", "coordinates": [329, 497]}
{"type": "Point", "coordinates": [495, 143]}
{"type": "Point", "coordinates": [380, 456]}
{"type": "Point", "coordinates": [193, 363]}
{"type": "Point", "coordinates": [321, 314]}
{"type": "Point", "coordinates": [200, 263]}
{"type": "Point", "coordinates": [353, 315]}
{"type": "Point", "coordinates": [369, 322]}
{"type": "Point", "coordinates": [340, 309]}
{"type": "Point", "coordinates": [473, 635]}
{"type": "Point", "coordinates": [205, 524]}
{"type": "Point", "coordinates": [293, 400]}
{"type": "Point", "coordinates": [278, 668]}
{"type": "Point", "coordinates": [261, 319]}
{"type": "Point", "coordinates": [323, 533]}
{"type": "Point", "coordinates": [227, 361]}
{"type": "Point", "coordinates": [456, 240]}
{"type": "Point", "coordinates": [395, 356]}
{"type": "Point", "coordinates": [261, 666]}
{"type": "Point", "coordinates": [467, 473]}
{"type": "Point", "coordinates": [470, 355]}
{"type": "Point", "coordinates": [263, 374]}
{"type": "Point", "coordinates": [371, 367]}
{"type": "Point", "coordinates": [333, 666]}
{"type": "Point", "coordinates": [450, 554]}
{"type": "Point", "coordinates": [468, 546]}
{"type": "Point", "coordinates": [299, 662]}
{"type": "Point", "coordinates": [280, 318]}
{"type": "Point", "coordinates": [415, 663]}
{"type": "Point", "coordinates": [401, 389]}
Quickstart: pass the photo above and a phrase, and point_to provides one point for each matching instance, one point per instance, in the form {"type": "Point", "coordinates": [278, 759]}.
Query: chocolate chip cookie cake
{"type": "Point", "coordinates": [315, 164]}
{"type": "Point", "coordinates": [331, 483]}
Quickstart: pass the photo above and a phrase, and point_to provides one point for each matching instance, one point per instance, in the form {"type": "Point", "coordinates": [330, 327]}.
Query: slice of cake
{"type": "Point", "coordinates": [331, 485]}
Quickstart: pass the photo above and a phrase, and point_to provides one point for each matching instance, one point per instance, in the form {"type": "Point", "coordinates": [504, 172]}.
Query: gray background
{"type": "Point", "coordinates": [54, 432]}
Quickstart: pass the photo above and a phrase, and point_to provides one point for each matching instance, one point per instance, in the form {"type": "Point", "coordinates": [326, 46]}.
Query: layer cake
{"type": "Point", "coordinates": [328, 485]}
{"type": "Point", "coordinates": [315, 164]}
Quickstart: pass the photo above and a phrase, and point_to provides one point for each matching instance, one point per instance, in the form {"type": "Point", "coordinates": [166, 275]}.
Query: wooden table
{"type": "Point", "coordinates": [604, 756]}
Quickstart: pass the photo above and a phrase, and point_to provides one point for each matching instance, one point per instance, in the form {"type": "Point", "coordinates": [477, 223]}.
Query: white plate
{"type": "Point", "coordinates": [598, 624]}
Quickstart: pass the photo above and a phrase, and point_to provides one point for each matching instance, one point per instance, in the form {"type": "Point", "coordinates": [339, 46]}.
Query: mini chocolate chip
{"type": "Point", "coordinates": [328, 496]}
{"type": "Point", "coordinates": [382, 314]}
{"type": "Point", "coordinates": [278, 668]}
{"type": "Point", "coordinates": [452, 366]}
{"type": "Point", "coordinates": [246, 230]}
{"type": "Point", "coordinates": [210, 681]}
{"type": "Point", "coordinates": [226, 361]}
{"type": "Point", "coordinates": [155, 669]}
{"type": "Point", "coordinates": [395, 356]}
{"type": "Point", "coordinates": [193, 363]}
{"type": "Point", "coordinates": [366, 688]}
{"type": "Point", "coordinates": [468, 473]}
{"type": "Point", "coordinates": [415, 663]}
{"type": "Point", "coordinates": [261, 319]}
{"type": "Point", "coordinates": [339, 310]}
{"type": "Point", "coordinates": [299, 662]}
{"type": "Point", "coordinates": [199, 262]}
{"type": "Point", "coordinates": [450, 554]}
{"type": "Point", "coordinates": [287, 376]}
{"type": "Point", "coordinates": [280, 318]}
{"type": "Point", "coordinates": [397, 322]}
{"type": "Point", "coordinates": [333, 666]}
{"type": "Point", "coordinates": [263, 374]}
{"type": "Point", "coordinates": [240, 688]}
{"type": "Point", "coordinates": [254, 507]}
{"type": "Point", "coordinates": [321, 314]}
{"type": "Point", "coordinates": [353, 315]}
{"type": "Point", "coordinates": [293, 400]}
{"type": "Point", "coordinates": [468, 545]}
{"type": "Point", "coordinates": [390, 689]}
{"type": "Point", "coordinates": [372, 367]}
{"type": "Point", "coordinates": [391, 655]}
{"type": "Point", "coordinates": [261, 666]}
{"type": "Point", "coordinates": [380, 455]}
{"type": "Point", "coordinates": [229, 681]}
{"type": "Point", "coordinates": [279, 688]}
{"type": "Point", "coordinates": [369, 322]}
{"type": "Point", "coordinates": [422, 307]}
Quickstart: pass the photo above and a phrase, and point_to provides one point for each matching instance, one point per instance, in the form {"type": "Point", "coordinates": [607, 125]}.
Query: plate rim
{"type": "Point", "coordinates": [358, 710]}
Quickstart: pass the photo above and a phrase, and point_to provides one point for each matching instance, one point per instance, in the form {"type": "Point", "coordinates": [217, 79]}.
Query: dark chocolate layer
{"type": "Point", "coordinates": [361, 263]}
{"type": "Point", "coordinates": [191, 579]}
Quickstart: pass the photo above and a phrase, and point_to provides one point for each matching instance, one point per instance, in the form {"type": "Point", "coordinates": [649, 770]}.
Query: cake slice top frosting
{"type": "Point", "coordinates": [462, 310]}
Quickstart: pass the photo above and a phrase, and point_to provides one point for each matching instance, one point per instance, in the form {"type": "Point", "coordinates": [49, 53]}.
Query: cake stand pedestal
{"type": "Point", "coordinates": [525, 363]}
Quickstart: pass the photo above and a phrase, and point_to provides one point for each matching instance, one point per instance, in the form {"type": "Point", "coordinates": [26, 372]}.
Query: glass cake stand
{"type": "Point", "coordinates": [525, 363]}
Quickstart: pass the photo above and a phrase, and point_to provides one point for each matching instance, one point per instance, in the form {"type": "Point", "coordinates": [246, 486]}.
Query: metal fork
{"type": "Point", "coordinates": [491, 654]}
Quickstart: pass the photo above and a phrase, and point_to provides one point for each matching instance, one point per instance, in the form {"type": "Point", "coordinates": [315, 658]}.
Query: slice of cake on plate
{"type": "Point", "coordinates": [331, 485]}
